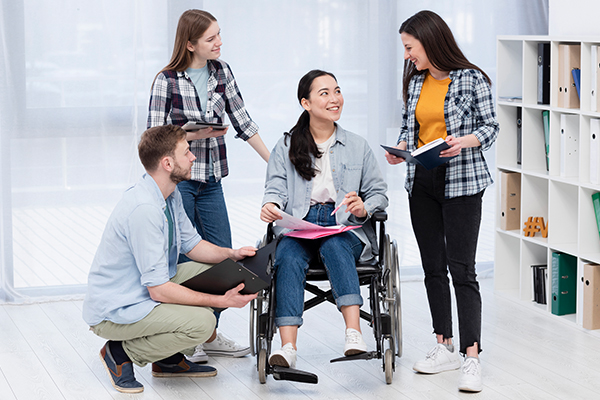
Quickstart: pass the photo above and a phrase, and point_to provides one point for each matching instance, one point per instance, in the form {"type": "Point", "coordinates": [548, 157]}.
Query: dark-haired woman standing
{"type": "Point", "coordinates": [313, 168]}
{"type": "Point", "coordinates": [446, 96]}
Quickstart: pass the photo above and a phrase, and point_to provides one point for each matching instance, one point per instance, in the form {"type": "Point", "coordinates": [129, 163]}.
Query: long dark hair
{"type": "Point", "coordinates": [439, 44]}
{"type": "Point", "coordinates": [302, 144]}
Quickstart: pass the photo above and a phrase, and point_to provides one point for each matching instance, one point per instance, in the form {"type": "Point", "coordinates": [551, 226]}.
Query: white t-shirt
{"type": "Point", "coordinates": [323, 190]}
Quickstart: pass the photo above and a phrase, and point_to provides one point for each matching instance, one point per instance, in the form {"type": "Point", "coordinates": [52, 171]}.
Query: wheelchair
{"type": "Point", "coordinates": [382, 275]}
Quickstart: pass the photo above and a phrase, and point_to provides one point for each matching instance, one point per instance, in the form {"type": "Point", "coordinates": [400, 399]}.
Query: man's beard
{"type": "Point", "coordinates": [179, 174]}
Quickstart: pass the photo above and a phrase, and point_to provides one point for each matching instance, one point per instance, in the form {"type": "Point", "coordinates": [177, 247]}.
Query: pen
{"type": "Point", "coordinates": [336, 209]}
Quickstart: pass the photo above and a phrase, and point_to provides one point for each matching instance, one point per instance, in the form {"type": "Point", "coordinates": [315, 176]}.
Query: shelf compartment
{"type": "Point", "coordinates": [510, 69]}
{"type": "Point", "coordinates": [532, 254]}
{"type": "Point", "coordinates": [506, 143]}
{"type": "Point", "coordinates": [589, 238]}
{"type": "Point", "coordinates": [563, 218]}
{"type": "Point", "coordinates": [534, 144]}
{"type": "Point", "coordinates": [534, 202]}
{"type": "Point", "coordinates": [506, 265]}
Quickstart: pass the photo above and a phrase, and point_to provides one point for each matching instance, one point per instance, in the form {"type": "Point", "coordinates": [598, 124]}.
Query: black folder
{"type": "Point", "coordinates": [543, 92]}
{"type": "Point", "coordinates": [519, 135]}
{"type": "Point", "coordinates": [430, 158]}
{"type": "Point", "coordinates": [539, 283]}
{"type": "Point", "coordinates": [255, 272]}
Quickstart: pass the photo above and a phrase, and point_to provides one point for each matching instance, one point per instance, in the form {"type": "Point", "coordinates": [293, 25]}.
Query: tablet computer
{"type": "Point", "coordinates": [194, 126]}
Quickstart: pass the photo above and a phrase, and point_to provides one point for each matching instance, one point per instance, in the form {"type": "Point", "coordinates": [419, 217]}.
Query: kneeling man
{"type": "Point", "coordinates": [134, 297]}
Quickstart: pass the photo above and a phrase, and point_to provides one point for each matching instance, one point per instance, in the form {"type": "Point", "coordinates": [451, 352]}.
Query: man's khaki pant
{"type": "Point", "coordinates": [168, 329]}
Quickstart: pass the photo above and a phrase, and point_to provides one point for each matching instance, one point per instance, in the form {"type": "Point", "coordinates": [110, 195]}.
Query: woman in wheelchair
{"type": "Point", "coordinates": [314, 168]}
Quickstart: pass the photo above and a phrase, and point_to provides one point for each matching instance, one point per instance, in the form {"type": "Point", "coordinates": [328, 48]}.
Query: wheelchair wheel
{"type": "Point", "coordinates": [388, 367]}
{"type": "Point", "coordinates": [397, 323]}
{"type": "Point", "coordinates": [256, 308]}
{"type": "Point", "coordinates": [393, 306]}
{"type": "Point", "coordinates": [252, 325]}
{"type": "Point", "coordinates": [261, 365]}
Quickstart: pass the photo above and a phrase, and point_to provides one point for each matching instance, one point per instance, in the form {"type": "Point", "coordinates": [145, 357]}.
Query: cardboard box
{"type": "Point", "coordinates": [510, 200]}
{"type": "Point", "coordinates": [591, 296]}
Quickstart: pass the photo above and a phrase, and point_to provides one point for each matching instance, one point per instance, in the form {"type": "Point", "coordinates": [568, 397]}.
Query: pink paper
{"type": "Point", "coordinates": [319, 233]}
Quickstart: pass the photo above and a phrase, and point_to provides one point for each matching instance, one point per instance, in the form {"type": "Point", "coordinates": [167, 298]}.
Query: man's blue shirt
{"type": "Point", "coordinates": [134, 253]}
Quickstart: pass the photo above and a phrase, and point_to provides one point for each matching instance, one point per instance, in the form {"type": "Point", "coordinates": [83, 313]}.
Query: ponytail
{"type": "Point", "coordinates": [302, 146]}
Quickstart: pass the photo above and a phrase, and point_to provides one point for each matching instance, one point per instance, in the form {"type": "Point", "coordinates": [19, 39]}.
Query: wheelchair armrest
{"type": "Point", "coordinates": [379, 216]}
{"type": "Point", "coordinates": [270, 233]}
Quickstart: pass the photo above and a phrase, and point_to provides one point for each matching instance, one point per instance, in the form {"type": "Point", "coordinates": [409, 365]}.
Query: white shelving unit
{"type": "Point", "coordinates": [564, 202]}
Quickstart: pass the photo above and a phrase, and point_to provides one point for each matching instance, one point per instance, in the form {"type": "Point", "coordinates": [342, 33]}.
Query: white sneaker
{"type": "Point", "coordinates": [199, 356]}
{"type": "Point", "coordinates": [284, 357]}
{"type": "Point", "coordinates": [439, 359]}
{"type": "Point", "coordinates": [470, 376]}
{"type": "Point", "coordinates": [354, 343]}
{"type": "Point", "coordinates": [224, 347]}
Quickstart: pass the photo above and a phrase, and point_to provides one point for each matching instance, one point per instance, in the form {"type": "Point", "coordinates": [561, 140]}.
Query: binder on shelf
{"type": "Point", "coordinates": [510, 202]}
{"type": "Point", "coordinates": [576, 72]}
{"type": "Point", "coordinates": [545, 279]}
{"type": "Point", "coordinates": [519, 135]}
{"type": "Point", "coordinates": [569, 58]}
{"type": "Point", "coordinates": [595, 104]}
{"type": "Point", "coordinates": [564, 283]}
{"type": "Point", "coordinates": [540, 274]}
{"type": "Point", "coordinates": [543, 93]}
{"type": "Point", "coordinates": [569, 145]}
{"type": "Point", "coordinates": [546, 123]}
{"type": "Point", "coordinates": [595, 150]}
{"type": "Point", "coordinates": [591, 296]}
{"type": "Point", "coordinates": [596, 204]}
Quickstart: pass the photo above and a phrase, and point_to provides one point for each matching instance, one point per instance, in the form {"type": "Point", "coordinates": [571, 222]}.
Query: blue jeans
{"type": "Point", "coordinates": [446, 231]}
{"type": "Point", "coordinates": [204, 204]}
{"type": "Point", "coordinates": [338, 253]}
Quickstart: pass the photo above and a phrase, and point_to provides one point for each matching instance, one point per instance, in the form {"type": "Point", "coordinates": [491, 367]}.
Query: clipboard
{"type": "Point", "coordinates": [255, 272]}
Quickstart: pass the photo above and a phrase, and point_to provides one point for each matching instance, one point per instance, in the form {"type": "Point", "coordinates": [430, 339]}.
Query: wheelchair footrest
{"type": "Point", "coordinates": [361, 356]}
{"type": "Point", "coordinates": [291, 374]}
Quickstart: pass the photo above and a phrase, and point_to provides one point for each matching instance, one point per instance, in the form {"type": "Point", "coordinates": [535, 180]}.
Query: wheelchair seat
{"type": "Point", "coordinates": [317, 272]}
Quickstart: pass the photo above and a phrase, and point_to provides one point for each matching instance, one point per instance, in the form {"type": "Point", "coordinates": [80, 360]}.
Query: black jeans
{"type": "Point", "coordinates": [446, 231]}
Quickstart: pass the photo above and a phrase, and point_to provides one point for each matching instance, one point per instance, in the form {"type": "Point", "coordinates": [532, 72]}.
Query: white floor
{"type": "Point", "coordinates": [47, 352]}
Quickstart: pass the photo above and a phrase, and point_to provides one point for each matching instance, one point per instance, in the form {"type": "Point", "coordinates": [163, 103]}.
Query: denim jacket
{"type": "Point", "coordinates": [354, 168]}
{"type": "Point", "coordinates": [468, 108]}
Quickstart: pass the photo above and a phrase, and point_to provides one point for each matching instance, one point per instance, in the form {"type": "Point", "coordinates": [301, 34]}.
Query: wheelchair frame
{"type": "Point", "coordinates": [385, 317]}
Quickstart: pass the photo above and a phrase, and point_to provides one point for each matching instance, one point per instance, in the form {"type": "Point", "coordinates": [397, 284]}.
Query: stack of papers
{"type": "Point", "coordinates": [306, 230]}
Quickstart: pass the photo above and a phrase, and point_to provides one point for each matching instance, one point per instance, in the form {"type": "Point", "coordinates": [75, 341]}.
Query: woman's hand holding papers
{"type": "Point", "coordinates": [270, 213]}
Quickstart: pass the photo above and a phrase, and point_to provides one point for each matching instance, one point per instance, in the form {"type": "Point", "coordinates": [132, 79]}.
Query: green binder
{"type": "Point", "coordinates": [564, 283]}
{"type": "Point", "coordinates": [546, 124]}
{"type": "Point", "coordinates": [596, 203]}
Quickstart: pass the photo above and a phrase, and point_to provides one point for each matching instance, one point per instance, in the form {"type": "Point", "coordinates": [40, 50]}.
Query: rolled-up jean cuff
{"type": "Point", "coordinates": [349, 300]}
{"type": "Point", "coordinates": [288, 321]}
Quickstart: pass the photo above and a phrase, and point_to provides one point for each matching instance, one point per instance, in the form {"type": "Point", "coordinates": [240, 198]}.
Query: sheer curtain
{"type": "Point", "coordinates": [74, 85]}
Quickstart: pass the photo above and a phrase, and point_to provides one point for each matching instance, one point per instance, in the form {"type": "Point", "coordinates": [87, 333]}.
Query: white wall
{"type": "Point", "coordinates": [574, 18]}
